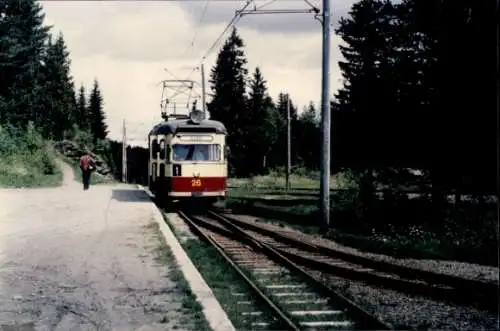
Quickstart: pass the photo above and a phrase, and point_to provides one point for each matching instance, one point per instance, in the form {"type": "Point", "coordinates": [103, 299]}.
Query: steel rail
{"type": "Point", "coordinates": [449, 294]}
{"type": "Point", "coordinates": [385, 280]}
{"type": "Point", "coordinates": [411, 273]}
{"type": "Point", "coordinates": [368, 322]}
{"type": "Point", "coordinates": [262, 296]}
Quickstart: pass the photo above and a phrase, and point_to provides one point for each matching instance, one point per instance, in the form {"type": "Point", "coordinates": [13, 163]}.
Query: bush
{"type": "Point", "coordinates": [27, 160]}
{"type": "Point", "coordinates": [82, 138]}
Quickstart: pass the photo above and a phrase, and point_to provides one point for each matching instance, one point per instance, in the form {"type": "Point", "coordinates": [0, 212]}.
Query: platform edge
{"type": "Point", "coordinates": [213, 311]}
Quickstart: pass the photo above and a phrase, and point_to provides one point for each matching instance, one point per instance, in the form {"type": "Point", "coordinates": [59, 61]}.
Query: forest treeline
{"type": "Point", "coordinates": [418, 93]}
{"type": "Point", "coordinates": [36, 85]}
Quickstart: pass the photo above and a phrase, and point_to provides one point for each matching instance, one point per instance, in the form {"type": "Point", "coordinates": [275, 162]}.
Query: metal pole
{"type": "Point", "coordinates": [288, 144]}
{"type": "Point", "coordinates": [124, 154]}
{"type": "Point", "coordinates": [498, 99]}
{"type": "Point", "coordinates": [203, 92]}
{"type": "Point", "coordinates": [325, 123]}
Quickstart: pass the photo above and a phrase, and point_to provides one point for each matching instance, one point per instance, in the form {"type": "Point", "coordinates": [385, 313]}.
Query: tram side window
{"type": "Point", "coordinates": [168, 153]}
{"type": "Point", "coordinates": [196, 152]}
{"type": "Point", "coordinates": [162, 149]}
{"type": "Point", "coordinates": [154, 149]}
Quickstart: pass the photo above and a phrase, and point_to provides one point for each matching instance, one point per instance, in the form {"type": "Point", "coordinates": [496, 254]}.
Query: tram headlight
{"type": "Point", "coordinates": [196, 116]}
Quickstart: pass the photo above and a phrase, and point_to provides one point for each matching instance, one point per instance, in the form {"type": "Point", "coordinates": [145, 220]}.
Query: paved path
{"type": "Point", "coordinates": [82, 260]}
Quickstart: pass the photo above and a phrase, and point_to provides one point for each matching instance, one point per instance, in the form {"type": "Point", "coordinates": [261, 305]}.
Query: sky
{"type": "Point", "coordinates": [131, 46]}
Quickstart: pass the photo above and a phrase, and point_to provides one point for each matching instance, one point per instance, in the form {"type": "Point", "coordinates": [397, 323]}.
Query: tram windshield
{"type": "Point", "coordinates": [196, 152]}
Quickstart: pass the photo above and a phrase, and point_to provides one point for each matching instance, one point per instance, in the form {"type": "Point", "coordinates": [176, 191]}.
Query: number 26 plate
{"type": "Point", "coordinates": [195, 182]}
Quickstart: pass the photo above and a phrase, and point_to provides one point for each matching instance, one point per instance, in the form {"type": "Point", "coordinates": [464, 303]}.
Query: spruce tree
{"type": "Point", "coordinates": [228, 85]}
{"type": "Point", "coordinates": [83, 117]}
{"type": "Point", "coordinates": [279, 151]}
{"type": "Point", "coordinates": [98, 126]}
{"type": "Point", "coordinates": [22, 41]}
{"type": "Point", "coordinates": [261, 127]}
{"type": "Point", "coordinates": [308, 138]}
{"type": "Point", "coordinates": [367, 104]}
{"type": "Point", "coordinates": [61, 105]}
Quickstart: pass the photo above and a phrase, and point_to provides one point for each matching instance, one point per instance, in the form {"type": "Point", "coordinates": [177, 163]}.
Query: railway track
{"type": "Point", "coordinates": [304, 251]}
{"type": "Point", "coordinates": [296, 299]}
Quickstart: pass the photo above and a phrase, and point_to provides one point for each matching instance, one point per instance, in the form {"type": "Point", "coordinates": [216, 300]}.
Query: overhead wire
{"type": "Point", "coordinates": [197, 28]}
{"type": "Point", "coordinates": [236, 17]}
{"type": "Point", "coordinates": [232, 22]}
{"type": "Point", "coordinates": [265, 5]}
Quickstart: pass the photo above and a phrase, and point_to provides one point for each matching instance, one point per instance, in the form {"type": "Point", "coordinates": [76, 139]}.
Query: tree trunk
{"type": "Point", "coordinates": [366, 192]}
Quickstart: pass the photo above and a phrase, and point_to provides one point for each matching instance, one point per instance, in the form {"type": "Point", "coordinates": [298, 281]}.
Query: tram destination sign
{"type": "Point", "coordinates": [197, 137]}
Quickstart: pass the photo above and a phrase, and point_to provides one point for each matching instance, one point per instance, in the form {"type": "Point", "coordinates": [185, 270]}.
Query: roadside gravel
{"type": "Point", "coordinates": [84, 260]}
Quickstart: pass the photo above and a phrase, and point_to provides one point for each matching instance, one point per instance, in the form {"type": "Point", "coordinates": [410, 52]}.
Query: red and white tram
{"type": "Point", "coordinates": [188, 159]}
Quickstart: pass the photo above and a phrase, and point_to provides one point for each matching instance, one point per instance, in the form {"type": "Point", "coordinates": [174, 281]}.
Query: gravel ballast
{"type": "Point", "coordinates": [405, 312]}
{"type": "Point", "coordinates": [453, 268]}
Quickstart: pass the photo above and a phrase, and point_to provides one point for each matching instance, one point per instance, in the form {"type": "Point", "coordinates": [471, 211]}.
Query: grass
{"type": "Point", "coordinates": [27, 161]}
{"type": "Point", "coordinates": [222, 279]}
{"type": "Point", "coordinates": [276, 181]}
{"type": "Point", "coordinates": [192, 312]}
{"type": "Point", "coordinates": [401, 228]}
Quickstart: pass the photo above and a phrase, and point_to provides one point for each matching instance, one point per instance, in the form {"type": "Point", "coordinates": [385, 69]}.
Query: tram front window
{"type": "Point", "coordinates": [196, 152]}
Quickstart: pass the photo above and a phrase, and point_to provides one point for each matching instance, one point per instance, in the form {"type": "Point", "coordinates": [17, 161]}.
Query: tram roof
{"type": "Point", "coordinates": [185, 125]}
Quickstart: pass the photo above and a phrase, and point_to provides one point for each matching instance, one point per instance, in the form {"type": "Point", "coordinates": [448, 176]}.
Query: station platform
{"type": "Point", "coordinates": [88, 260]}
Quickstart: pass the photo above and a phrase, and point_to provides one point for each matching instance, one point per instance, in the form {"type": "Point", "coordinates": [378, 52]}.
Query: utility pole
{"type": "Point", "coordinates": [288, 144]}
{"type": "Point", "coordinates": [325, 116]}
{"type": "Point", "coordinates": [124, 154]}
{"type": "Point", "coordinates": [203, 91]}
{"type": "Point", "coordinates": [259, 11]}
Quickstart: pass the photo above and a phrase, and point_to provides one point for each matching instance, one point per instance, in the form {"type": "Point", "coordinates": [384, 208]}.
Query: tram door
{"type": "Point", "coordinates": [153, 164]}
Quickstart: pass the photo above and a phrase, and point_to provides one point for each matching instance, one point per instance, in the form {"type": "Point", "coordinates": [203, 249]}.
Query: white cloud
{"type": "Point", "coordinates": [126, 45]}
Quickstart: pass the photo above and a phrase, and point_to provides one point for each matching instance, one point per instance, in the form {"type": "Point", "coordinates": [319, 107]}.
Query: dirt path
{"type": "Point", "coordinates": [82, 260]}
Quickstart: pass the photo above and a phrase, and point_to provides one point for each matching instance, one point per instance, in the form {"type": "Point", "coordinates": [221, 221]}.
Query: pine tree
{"type": "Point", "coordinates": [35, 82]}
{"type": "Point", "coordinates": [368, 99]}
{"type": "Point", "coordinates": [22, 41]}
{"type": "Point", "coordinates": [83, 118]}
{"type": "Point", "coordinates": [228, 81]}
{"type": "Point", "coordinates": [228, 105]}
{"type": "Point", "coordinates": [98, 126]}
{"type": "Point", "coordinates": [369, 92]}
{"type": "Point", "coordinates": [262, 123]}
{"type": "Point", "coordinates": [279, 150]}
{"type": "Point", "coordinates": [59, 88]}
{"type": "Point", "coordinates": [308, 138]}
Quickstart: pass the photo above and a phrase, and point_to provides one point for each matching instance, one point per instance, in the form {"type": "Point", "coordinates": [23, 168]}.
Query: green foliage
{"type": "Point", "coordinates": [256, 125]}
{"type": "Point", "coordinates": [82, 138]}
{"type": "Point", "coordinates": [228, 83]}
{"type": "Point", "coordinates": [82, 111]}
{"type": "Point", "coordinates": [260, 126]}
{"type": "Point", "coordinates": [61, 107]}
{"type": "Point", "coordinates": [35, 77]}
{"type": "Point", "coordinates": [400, 63]}
{"type": "Point", "coordinates": [102, 146]}
{"type": "Point", "coordinates": [27, 160]}
{"type": "Point", "coordinates": [98, 126]}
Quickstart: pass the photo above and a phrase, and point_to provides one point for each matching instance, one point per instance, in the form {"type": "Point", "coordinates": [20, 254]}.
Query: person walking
{"type": "Point", "coordinates": [87, 165]}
